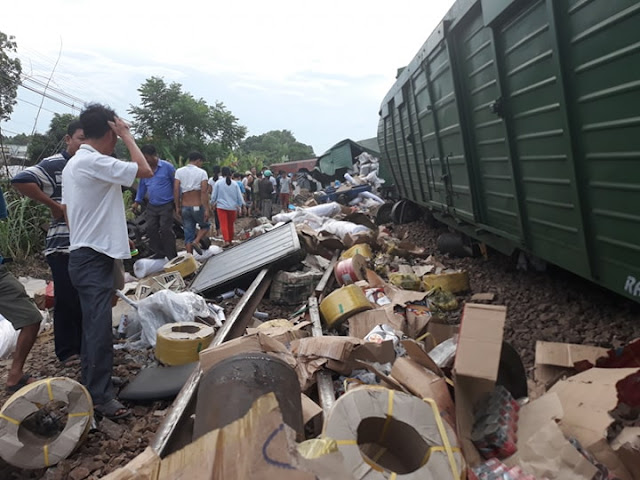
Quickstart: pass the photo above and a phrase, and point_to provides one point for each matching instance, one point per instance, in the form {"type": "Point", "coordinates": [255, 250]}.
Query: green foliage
{"type": "Point", "coordinates": [22, 234]}
{"type": "Point", "coordinates": [20, 139]}
{"type": "Point", "coordinates": [177, 123]}
{"type": "Point", "coordinates": [42, 146]}
{"type": "Point", "coordinates": [10, 69]}
{"type": "Point", "coordinates": [276, 146]}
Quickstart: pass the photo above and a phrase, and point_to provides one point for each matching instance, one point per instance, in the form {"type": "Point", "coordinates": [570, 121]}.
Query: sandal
{"type": "Point", "coordinates": [25, 380]}
{"type": "Point", "coordinates": [71, 361]}
{"type": "Point", "coordinates": [113, 410]}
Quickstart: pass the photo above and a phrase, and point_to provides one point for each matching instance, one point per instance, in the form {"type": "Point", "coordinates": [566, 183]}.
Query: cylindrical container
{"type": "Point", "coordinates": [185, 265]}
{"type": "Point", "coordinates": [229, 388]}
{"type": "Point", "coordinates": [351, 270]}
{"type": "Point", "coordinates": [181, 343]}
{"type": "Point", "coordinates": [343, 303]}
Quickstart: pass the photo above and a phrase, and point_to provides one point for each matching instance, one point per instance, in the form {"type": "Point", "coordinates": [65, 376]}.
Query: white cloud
{"type": "Point", "coordinates": [330, 61]}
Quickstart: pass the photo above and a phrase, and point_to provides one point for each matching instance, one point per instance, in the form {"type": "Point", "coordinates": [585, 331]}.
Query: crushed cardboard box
{"type": "Point", "coordinates": [555, 360]}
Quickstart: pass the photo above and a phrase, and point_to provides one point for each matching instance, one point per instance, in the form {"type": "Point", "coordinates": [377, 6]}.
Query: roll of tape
{"type": "Point", "coordinates": [351, 270]}
{"type": "Point", "coordinates": [23, 449]}
{"type": "Point", "coordinates": [383, 434]}
{"type": "Point", "coordinates": [454, 282]}
{"type": "Point", "coordinates": [343, 303]}
{"type": "Point", "coordinates": [185, 265]}
{"type": "Point", "coordinates": [181, 343]}
{"type": "Point", "coordinates": [359, 249]}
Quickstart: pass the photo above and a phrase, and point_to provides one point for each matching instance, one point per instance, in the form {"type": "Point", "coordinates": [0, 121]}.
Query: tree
{"type": "Point", "coordinates": [19, 139]}
{"type": "Point", "coordinates": [42, 146]}
{"type": "Point", "coordinates": [177, 123]}
{"type": "Point", "coordinates": [276, 146]}
{"type": "Point", "coordinates": [10, 70]}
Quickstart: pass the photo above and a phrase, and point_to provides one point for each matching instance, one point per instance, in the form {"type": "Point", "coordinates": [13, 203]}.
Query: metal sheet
{"type": "Point", "coordinates": [250, 256]}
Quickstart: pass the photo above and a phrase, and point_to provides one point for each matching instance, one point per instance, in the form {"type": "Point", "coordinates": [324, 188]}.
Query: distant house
{"type": "Point", "coordinates": [338, 159]}
{"type": "Point", "coordinates": [14, 153]}
{"type": "Point", "coordinates": [295, 166]}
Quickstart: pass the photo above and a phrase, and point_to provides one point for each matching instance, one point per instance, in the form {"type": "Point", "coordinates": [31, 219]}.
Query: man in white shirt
{"type": "Point", "coordinates": [92, 184]}
{"type": "Point", "coordinates": [190, 191]}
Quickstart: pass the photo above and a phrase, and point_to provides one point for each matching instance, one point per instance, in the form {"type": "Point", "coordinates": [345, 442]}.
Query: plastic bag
{"type": "Point", "coordinates": [166, 306]}
{"type": "Point", "coordinates": [341, 228]}
{"type": "Point", "coordinates": [371, 196]}
{"type": "Point", "coordinates": [147, 266]}
{"type": "Point", "coordinates": [8, 338]}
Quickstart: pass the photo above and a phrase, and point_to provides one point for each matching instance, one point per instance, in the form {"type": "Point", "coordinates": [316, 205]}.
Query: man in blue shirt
{"type": "Point", "coordinates": [160, 204]}
{"type": "Point", "coordinates": [43, 183]}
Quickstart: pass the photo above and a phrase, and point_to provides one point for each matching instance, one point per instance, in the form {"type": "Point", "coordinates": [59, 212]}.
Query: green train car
{"type": "Point", "coordinates": [518, 123]}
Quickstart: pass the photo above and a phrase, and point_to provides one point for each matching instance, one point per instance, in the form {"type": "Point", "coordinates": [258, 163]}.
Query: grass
{"type": "Point", "coordinates": [22, 234]}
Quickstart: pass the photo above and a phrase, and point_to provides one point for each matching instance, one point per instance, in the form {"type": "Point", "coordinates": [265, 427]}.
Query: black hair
{"type": "Point", "coordinates": [73, 127]}
{"type": "Point", "coordinates": [94, 120]}
{"type": "Point", "coordinates": [149, 150]}
{"type": "Point", "coordinates": [226, 172]}
{"type": "Point", "coordinates": [193, 156]}
{"type": "Point", "coordinates": [236, 175]}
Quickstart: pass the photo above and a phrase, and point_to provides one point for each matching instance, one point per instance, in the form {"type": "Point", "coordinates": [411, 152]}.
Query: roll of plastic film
{"type": "Point", "coordinates": [453, 282]}
{"type": "Point", "coordinates": [29, 450]}
{"type": "Point", "coordinates": [351, 270]}
{"type": "Point", "coordinates": [343, 303]}
{"type": "Point", "coordinates": [181, 343]}
{"type": "Point", "coordinates": [360, 249]}
{"type": "Point", "coordinates": [185, 265]}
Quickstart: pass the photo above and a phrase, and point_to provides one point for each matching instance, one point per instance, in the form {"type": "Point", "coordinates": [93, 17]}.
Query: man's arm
{"type": "Point", "coordinates": [204, 197]}
{"type": "Point", "coordinates": [142, 190]}
{"type": "Point", "coordinates": [176, 196]}
{"type": "Point", "coordinates": [32, 190]}
{"type": "Point", "coordinates": [121, 129]}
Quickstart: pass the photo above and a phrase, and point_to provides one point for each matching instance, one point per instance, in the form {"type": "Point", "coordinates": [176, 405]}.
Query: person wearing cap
{"type": "Point", "coordinates": [265, 192]}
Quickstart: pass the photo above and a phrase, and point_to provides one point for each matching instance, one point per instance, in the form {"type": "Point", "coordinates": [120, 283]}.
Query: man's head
{"type": "Point", "coordinates": [253, 171]}
{"type": "Point", "coordinates": [196, 158]}
{"type": "Point", "coordinates": [150, 154]}
{"type": "Point", "coordinates": [236, 176]}
{"type": "Point", "coordinates": [95, 120]}
{"type": "Point", "coordinates": [74, 137]}
{"type": "Point", "coordinates": [267, 173]}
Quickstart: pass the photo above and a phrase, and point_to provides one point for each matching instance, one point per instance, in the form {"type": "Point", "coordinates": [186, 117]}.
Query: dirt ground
{"type": "Point", "coordinates": [552, 306]}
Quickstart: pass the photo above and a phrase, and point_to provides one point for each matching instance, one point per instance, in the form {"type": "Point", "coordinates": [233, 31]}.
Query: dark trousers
{"type": "Point", "coordinates": [160, 230]}
{"type": "Point", "coordinates": [92, 275]}
{"type": "Point", "coordinates": [67, 312]}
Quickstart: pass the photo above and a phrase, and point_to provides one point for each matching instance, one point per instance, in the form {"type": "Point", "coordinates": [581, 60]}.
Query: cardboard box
{"type": "Point", "coordinates": [362, 323]}
{"type": "Point", "coordinates": [555, 360]}
{"type": "Point", "coordinates": [258, 342]}
{"type": "Point", "coordinates": [284, 335]}
{"type": "Point", "coordinates": [422, 377]}
{"type": "Point", "coordinates": [586, 399]}
{"type": "Point", "coordinates": [476, 366]}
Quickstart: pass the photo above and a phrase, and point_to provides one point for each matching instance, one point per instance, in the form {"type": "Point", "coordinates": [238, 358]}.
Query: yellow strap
{"type": "Point", "coordinates": [381, 452]}
{"type": "Point", "coordinates": [387, 422]}
{"type": "Point", "coordinates": [346, 442]}
{"type": "Point", "coordinates": [80, 414]}
{"type": "Point", "coordinates": [449, 381]}
{"type": "Point", "coordinates": [433, 340]}
{"type": "Point", "coordinates": [45, 450]}
{"type": "Point", "coordinates": [436, 448]}
{"type": "Point", "coordinates": [393, 476]}
{"type": "Point", "coordinates": [9, 419]}
{"type": "Point", "coordinates": [49, 391]}
{"type": "Point", "coordinates": [444, 436]}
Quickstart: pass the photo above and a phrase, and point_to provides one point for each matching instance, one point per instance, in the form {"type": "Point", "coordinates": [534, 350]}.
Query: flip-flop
{"type": "Point", "coordinates": [23, 382]}
{"type": "Point", "coordinates": [110, 410]}
{"type": "Point", "coordinates": [71, 361]}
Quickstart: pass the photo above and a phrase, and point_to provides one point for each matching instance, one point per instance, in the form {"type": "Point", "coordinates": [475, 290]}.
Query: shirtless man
{"type": "Point", "coordinates": [190, 189]}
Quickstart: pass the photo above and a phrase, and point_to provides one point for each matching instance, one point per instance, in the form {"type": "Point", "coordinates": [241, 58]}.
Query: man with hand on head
{"type": "Point", "coordinates": [92, 185]}
{"type": "Point", "coordinates": [160, 206]}
{"type": "Point", "coordinates": [43, 183]}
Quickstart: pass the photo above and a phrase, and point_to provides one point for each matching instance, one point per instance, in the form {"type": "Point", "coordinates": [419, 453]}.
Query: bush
{"type": "Point", "coordinates": [22, 234]}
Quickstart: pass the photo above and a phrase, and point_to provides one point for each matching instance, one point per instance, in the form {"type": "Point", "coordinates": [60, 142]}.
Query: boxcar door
{"type": "Point", "coordinates": [534, 107]}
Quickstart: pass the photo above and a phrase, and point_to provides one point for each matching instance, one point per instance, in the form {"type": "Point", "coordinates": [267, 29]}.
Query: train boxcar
{"type": "Point", "coordinates": [518, 123]}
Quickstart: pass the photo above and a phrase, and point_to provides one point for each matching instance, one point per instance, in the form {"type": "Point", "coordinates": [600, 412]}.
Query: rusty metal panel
{"type": "Point", "coordinates": [250, 256]}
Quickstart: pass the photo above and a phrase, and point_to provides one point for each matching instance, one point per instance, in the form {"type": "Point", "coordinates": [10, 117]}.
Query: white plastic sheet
{"type": "Point", "coordinates": [148, 266]}
{"type": "Point", "coordinates": [341, 228]}
{"type": "Point", "coordinates": [8, 338]}
{"type": "Point", "coordinates": [166, 306]}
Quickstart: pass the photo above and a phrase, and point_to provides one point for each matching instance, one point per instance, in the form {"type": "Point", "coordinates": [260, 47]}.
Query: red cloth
{"type": "Point", "coordinates": [227, 219]}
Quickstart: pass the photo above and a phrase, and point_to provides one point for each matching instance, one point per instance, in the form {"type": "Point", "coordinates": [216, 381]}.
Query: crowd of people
{"type": "Point", "coordinates": [87, 240]}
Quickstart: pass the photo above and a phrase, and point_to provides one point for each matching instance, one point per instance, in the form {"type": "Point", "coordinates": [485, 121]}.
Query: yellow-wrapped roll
{"type": "Point", "coordinates": [342, 303]}
{"type": "Point", "coordinates": [185, 265]}
{"type": "Point", "coordinates": [181, 343]}
{"type": "Point", "coordinates": [360, 249]}
{"type": "Point", "coordinates": [406, 281]}
{"type": "Point", "coordinates": [454, 282]}
{"type": "Point", "coordinates": [23, 449]}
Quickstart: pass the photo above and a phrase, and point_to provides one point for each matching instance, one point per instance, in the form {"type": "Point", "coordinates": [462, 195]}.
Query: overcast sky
{"type": "Point", "coordinates": [319, 69]}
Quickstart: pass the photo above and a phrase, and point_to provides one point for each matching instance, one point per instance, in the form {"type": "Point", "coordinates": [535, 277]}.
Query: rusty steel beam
{"type": "Point", "coordinates": [323, 377]}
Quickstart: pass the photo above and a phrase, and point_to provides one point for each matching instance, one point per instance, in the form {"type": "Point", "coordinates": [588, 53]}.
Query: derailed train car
{"type": "Point", "coordinates": [518, 123]}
